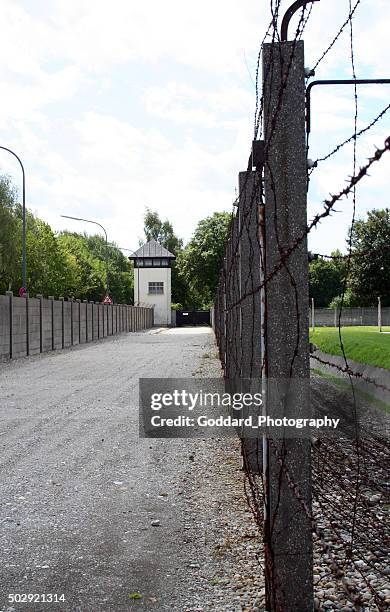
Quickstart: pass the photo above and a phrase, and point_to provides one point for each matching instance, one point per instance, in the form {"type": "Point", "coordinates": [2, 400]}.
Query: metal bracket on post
{"type": "Point", "coordinates": [289, 13]}
{"type": "Point", "coordinates": [336, 82]}
{"type": "Point", "coordinates": [258, 157]}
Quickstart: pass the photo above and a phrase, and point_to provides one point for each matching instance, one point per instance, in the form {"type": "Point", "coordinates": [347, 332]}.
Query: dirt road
{"type": "Point", "coordinates": [80, 490]}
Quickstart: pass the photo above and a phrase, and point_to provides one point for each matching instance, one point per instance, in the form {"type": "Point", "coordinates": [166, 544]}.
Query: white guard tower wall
{"type": "Point", "coordinates": [152, 280]}
{"type": "Point", "coordinates": [161, 301]}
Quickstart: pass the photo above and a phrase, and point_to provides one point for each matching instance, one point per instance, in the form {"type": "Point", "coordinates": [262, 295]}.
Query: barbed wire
{"type": "Point", "coordinates": [240, 308]}
{"type": "Point", "coordinates": [350, 139]}
{"type": "Point", "coordinates": [313, 256]}
{"type": "Point", "coordinates": [345, 280]}
{"type": "Point", "coordinates": [338, 34]}
{"type": "Point", "coordinates": [328, 206]}
{"type": "Point", "coordinates": [348, 370]}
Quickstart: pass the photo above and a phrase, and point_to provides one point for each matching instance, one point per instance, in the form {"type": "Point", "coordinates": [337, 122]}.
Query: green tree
{"type": "Point", "coordinates": [162, 232]}
{"type": "Point", "coordinates": [8, 234]}
{"type": "Point", "coordinates": [89, 272]}
{"type": "Point", "coordinates": [87, 260]}
{"type": "Point", "coordinates": [69, 265]}
{"type": "Point", "coordinates": [120, 271]}
{"type": "Point", "coordinates": [370, 266]}
{"type": "Point", "coordinates": [48, 270]}
{"type": "Point", "coordinates": [201, 262]}
{"type": "Point", "coordinates": [326, 277]}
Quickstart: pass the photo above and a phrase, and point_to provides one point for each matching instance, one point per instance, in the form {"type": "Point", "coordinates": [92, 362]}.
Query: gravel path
{"type": "Point", "coordinates": [89, 510]}
{"type": "Point", "coordinates": [113, 522]}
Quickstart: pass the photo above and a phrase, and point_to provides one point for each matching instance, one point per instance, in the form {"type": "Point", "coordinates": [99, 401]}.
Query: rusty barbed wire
{"type": "Point", "coordinates": [238, 311]}
{"type": "Point", "coordinates": [338, 34]}
{"type": "Point", "coordinates": [350, 139]}
{"type": "Point", "coordinates": [328, 206]}
{"type": "Point", "coordinates": [348, 370]}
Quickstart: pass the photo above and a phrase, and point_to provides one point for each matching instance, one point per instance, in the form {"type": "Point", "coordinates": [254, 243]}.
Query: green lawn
{"type": "Point", "coordinates": [362, 344]}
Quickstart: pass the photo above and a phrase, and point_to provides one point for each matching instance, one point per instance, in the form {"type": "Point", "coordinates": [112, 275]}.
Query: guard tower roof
{"type": "Point", "coordinates": [152, 249]}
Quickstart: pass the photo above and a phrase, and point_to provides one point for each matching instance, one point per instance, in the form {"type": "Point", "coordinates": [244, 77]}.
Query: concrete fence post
{"type": "Point", "coordinates": [79, 309]}
{"type": "Point", "coordinates": [71, 321]}
{"type": "Point", "coordinates": [11, 322]}
{"type": "Point", "coordinates": [92, 320]}
{"type": "Point", "coordinates": [51, 298]}
{"type": "Point", "coordinates": [288, 529]}
{"type": "Point", "coordinates": [379, 314]}
{"type": "Point", "coordinates": [313, 322]}
{"type": "Point", "coordinates": [248, 217]}
{"type": "Point", "coordinates": [61, 299]}
{"type": "Point", "coordinates": [335, 316]}
{"type": "Point", "coordinates": [26, 296]}
{"type": "Point", "coordinates": [86, 320]}
{"type": "Point", "coordinates": [40, 298]}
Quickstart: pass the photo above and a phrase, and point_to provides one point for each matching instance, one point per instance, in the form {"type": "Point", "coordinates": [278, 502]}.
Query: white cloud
{"type": "Point", "coordinates": [180, 142]}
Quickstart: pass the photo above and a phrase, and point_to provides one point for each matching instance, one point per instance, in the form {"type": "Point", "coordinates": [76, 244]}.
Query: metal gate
{"type": "Point", "coordinates": [192, 317]}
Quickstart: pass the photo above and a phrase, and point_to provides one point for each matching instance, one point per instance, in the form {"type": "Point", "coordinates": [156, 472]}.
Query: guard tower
{"type": "Point", "coordinates": [152, 279]}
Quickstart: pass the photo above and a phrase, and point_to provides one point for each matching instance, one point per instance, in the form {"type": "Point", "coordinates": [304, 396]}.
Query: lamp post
{"type": "Point", "coordinates": [131, 251]}
{"type": "Point", "coordinates": [105, 233]}
{"type": "Point", "coordinates": [23, 289]}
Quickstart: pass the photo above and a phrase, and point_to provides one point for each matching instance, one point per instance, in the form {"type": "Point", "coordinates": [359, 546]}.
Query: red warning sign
{"type": "Point", "coordinates": [107, 300]}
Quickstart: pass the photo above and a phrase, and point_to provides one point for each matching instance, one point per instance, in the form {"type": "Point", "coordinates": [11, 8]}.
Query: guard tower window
{"type": "Point", "coordinates": [156, 288]}
{"type": "Point", "coordinates": [151, 262]}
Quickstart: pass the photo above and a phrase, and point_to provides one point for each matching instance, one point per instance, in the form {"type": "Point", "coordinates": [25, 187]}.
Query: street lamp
{"type": "Point", "coordinates": [23, 289]}
{"type": "Point", "coordinates": [105, 233]}
{"type": "Point", "coordinates": [131, 251]}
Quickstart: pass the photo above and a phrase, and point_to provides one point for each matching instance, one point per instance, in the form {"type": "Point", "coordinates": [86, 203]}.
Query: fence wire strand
{"type": "Point", "coordinates": [348, 516]}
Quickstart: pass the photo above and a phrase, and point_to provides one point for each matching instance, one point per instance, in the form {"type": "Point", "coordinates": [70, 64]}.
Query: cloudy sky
{"type": "Point", "coordinates": [115, 106]}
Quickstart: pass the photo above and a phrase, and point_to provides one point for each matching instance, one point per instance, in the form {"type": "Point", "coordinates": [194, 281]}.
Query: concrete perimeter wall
{"type": "Point", "coordinates": [329, 317]}
{"type": "Point", "coordinates": [29, 326]}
